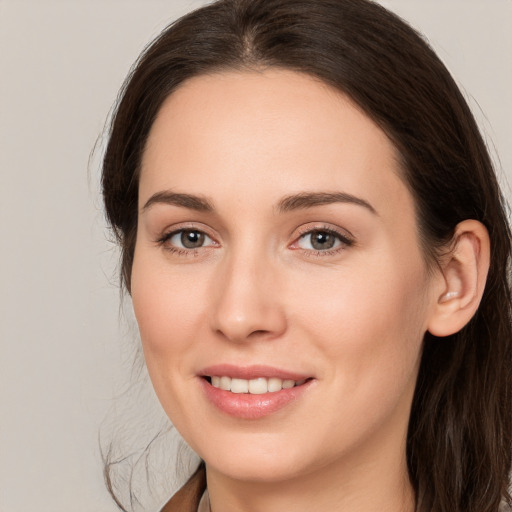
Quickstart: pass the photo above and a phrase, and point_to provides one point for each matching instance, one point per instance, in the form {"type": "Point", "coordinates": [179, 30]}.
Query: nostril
{"type": "Point", "coordinates": [259, 332]}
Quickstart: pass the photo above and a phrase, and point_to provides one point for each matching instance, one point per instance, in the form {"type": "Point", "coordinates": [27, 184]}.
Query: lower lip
{"type": "Point", "coordinates": [251, 407]}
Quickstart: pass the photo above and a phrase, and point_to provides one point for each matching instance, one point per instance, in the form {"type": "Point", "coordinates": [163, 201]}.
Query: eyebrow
{"type": "Point", "coordinates": [193, 202]}
{"type": "Point", "coordinates": [290, 203]}
{"type": "Point", "coordinates": [311, 199]}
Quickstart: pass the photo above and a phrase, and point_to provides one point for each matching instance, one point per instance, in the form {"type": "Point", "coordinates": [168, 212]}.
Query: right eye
{"type": "Point", "coordinates": [187, 239]}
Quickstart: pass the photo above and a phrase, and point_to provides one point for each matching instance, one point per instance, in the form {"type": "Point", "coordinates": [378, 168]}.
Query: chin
{"type": "Point", "coordinates": [248, 456]}
{"type": "Point", "coordinates": [263, 458]}
{"type": "Point", "coordinates": [263, 469]}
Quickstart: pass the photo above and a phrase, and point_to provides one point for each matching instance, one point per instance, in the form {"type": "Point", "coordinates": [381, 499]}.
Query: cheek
{"type": "Point", "coordinates": [168, 309]}
{"type": "Point", "coordinates": [368, 320]}
{"type": "Point", "coordinates": [168, 313]}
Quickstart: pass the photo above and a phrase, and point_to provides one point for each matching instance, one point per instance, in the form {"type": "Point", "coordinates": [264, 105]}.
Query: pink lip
{"type": "Point", "coordinates": [245, 405]}
{"type": "Point", "coordinates": [250, 372]}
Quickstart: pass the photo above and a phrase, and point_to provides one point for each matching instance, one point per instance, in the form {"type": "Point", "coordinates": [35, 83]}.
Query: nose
{"type": "Point", "coordinates": [248, 302]}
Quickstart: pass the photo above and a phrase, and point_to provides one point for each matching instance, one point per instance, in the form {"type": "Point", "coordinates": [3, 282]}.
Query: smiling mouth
{"type": "Point", "coordinates": [258, 386]}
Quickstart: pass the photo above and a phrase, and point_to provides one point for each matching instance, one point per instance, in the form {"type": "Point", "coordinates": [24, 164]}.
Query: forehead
{"type": "Point", "coordinates": [270, 134]}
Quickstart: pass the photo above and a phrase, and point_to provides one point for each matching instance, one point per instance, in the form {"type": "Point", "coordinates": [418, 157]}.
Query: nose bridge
{"type": "Point", "coordinates": [246, 303]}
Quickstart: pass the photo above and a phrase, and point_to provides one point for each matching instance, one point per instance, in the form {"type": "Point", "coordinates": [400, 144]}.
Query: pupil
{"type": "Point", "coordinates": [192, 239]}
{"type": "Point", "coordinates": [322, 240]}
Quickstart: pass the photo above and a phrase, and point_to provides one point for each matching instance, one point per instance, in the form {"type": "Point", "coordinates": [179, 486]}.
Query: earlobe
{"type": "Point", "coordinates": [462, 281]}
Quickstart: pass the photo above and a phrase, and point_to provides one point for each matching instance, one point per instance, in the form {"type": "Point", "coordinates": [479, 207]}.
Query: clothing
{"type": "Point", "coordinates": [204, 504]}
{"type": "Point", "coordinates": [188, 497]}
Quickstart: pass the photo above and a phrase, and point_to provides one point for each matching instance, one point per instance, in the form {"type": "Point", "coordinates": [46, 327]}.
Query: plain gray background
{"type": "Point", "coordinates": [64, 352]}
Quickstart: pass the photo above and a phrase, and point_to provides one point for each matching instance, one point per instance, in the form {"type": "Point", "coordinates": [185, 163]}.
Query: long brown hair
{"type": "Point", "coordinates": [459, 439]}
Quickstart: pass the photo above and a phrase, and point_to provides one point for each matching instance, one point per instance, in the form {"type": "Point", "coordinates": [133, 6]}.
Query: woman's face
{"type": "Point", "coordinates": [277, 246]}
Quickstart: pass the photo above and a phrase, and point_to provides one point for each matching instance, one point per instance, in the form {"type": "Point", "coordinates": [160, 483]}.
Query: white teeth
{"type": "Point", "coordinates": [239, 386]}
{"type": "Point", "coordinates": [257, 386]}
{"type": "Point", "coordinates": [287, 384]}
{"type": "Point", "coordinates": [225, 383]}
{"type": "Point", "coordinates": [275, 384]}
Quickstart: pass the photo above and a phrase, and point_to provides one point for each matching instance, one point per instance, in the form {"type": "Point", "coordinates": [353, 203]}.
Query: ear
{"type": "Point", "coordinates": [462, 280]}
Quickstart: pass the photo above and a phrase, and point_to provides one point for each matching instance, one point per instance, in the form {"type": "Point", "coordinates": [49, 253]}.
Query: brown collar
{"type": "Point", "coordinates": [188, 497]}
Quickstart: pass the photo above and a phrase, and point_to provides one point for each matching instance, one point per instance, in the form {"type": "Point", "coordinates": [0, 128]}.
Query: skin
{"type": "Point", "coordinates": [352, 318]}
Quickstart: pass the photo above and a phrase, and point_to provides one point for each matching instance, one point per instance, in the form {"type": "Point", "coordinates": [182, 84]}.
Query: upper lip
{"type": "Point", "coordinates": [251, 372]}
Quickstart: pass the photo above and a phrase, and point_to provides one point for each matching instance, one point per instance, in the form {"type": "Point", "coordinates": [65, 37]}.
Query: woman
{"type": "Point", "coordinates": [317, 252]}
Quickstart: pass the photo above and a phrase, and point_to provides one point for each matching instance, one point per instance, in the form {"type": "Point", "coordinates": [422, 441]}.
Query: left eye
{"type": "Point", "coordinates": [320, 240]}
{"type": "Point", "coordinates": [189, 239]}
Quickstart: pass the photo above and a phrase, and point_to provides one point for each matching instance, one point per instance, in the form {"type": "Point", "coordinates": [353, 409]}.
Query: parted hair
{"type": "Point", "coordinates": [459, 437]}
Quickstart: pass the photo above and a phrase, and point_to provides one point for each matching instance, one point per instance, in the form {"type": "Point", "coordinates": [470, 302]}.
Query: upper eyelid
{"type": "Point", "coordinates": [311, 227]}
{"type": "Point", "coordinates": [186, 226]}
{"type": "Point", "coordinates": [174, 232]}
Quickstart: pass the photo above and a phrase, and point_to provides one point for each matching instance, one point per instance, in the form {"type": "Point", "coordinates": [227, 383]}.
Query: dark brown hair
{"type": "Point", "coordinates": [459, 440]}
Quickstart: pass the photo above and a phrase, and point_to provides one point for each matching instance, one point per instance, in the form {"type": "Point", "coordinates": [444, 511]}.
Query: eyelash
{"type": "Point", "coordinates": [164, 239]}
{"type": "Point", "coordinates": [345, 241]}
{"type": "Point", "coordinates": [343, 238]}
